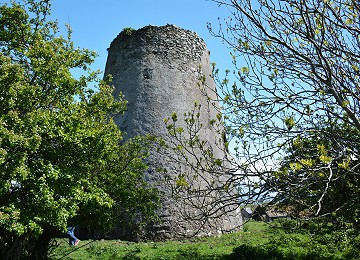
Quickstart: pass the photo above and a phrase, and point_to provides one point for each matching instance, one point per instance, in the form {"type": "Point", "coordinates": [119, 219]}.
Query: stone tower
{"type": "Point", "coordinates": [158, 70]}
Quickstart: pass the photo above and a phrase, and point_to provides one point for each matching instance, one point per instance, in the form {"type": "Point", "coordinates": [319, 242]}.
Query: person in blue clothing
{"type": "Point", "coordinates": [73, 240]}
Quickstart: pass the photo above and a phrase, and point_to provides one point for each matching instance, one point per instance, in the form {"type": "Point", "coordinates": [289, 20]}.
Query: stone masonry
{"type": "Point", "coordinates": [157, 70]}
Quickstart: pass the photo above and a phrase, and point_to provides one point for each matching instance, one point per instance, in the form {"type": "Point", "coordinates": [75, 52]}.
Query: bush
{"type": "Point", "coordinates": [301, 246]}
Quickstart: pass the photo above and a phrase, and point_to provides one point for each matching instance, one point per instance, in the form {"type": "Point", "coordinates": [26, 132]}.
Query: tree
{"type": "Point", "coordinates": [292, 113]}
{"type": "Point", "coordinates": [62, 160]}
{"type": "Point", "coordinates": [318, 175]}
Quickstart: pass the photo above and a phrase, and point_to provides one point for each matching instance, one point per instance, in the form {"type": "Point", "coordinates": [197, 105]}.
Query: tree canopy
{"type": "Point", "coordinates": [62, 160]}
{"type": "Point", "coordinates": [291, 103]}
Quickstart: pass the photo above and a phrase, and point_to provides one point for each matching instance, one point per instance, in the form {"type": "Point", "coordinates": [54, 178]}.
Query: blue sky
{"type": "Point", "coordinates": [96, 23]}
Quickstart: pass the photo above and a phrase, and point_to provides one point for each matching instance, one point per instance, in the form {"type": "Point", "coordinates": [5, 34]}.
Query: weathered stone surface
{"type": "Point", "coordinates": [157, 70]}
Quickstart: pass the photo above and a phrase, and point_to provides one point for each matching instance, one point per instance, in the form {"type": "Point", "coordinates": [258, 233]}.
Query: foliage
{"type": "Point", "coordinates": [127, 30]}
{"type": "Point", "coordinates": [297, 240]}
{"type": "Point", "coordinates": [291, 103]}
{"type": "Point", "coordinates": [61, 159]}
{"type": "Point", "coordinates": [319, 175]}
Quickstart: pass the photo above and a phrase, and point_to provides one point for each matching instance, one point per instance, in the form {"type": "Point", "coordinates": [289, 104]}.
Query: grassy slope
{"type": "Point", "coordinates": [202, 248]}
{"type": "Point", "coordinates": [215, 248]}
{"type": "Point", "coordinates": [257, 241]}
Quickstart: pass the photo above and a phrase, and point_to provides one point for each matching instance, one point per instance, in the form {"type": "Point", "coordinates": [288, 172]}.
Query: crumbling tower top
{"type": "Point", "coordinates": [169, 40]}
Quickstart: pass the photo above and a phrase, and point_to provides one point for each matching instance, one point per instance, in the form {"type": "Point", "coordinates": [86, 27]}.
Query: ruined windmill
{"type": "Point", "coordinates": [158, 70]}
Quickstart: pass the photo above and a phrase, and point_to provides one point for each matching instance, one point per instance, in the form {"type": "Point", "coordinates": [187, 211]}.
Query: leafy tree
{"type": "Point", "coordinates": [61, 157]}
{"type": "Point", "coordinates": [318, 176]}
{"type": "Point", "coordinates": [292, 113]}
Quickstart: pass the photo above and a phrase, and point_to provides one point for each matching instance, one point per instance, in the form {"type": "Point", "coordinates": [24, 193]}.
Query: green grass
{"type": "Point", "coordinates": [198, 248]}
{"type": "Point", "coordinates": [209, 248]}
{"type": "Point", "coordinates": [258, 240]}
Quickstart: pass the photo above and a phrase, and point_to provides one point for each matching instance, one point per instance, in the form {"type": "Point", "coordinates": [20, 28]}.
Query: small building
{"type": "Point", "coordinates": [246, 214]}
{"type": "Point", "coordinates": [262, 213]}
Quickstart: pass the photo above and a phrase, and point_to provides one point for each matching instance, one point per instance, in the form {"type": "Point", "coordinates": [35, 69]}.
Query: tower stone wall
{"type": "Point", "coordinates": [158, 70]}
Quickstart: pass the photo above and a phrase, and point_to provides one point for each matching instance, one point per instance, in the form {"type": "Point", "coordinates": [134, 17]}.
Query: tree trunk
{"type": "Point", "coordinates": [39, 248]}
{"type": "Point", "coordinates": [11, 248]}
